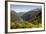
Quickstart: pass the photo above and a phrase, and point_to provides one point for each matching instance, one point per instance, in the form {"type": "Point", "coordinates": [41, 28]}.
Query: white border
{"type": "Point", "coordinates": [27, 29]}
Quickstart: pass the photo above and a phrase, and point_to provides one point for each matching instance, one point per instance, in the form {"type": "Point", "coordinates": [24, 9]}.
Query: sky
{"type": "Point", "coordinates": [23, 8]}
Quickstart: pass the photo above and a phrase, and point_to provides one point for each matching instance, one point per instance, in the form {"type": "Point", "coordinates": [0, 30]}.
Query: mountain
{"type": "Point", "coordinates": [32, 14]}
{"type": "Point", "coordinates": [13, 16]}
{"type": "Point", "coordinates": [26, 16]}
{"type": "Point", "coordinates": [16, 16]}
{"type": "Point", "coordinates": [20, 13]}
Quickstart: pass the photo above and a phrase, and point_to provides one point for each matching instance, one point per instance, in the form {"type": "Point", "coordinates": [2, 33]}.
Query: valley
{"type": "Point", "coordinates": [30, 19]}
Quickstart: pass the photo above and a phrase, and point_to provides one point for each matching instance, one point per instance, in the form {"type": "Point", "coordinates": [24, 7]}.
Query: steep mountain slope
{"type": "Point", "coordinates": [13, 16]}
{"type": "Point", "coordinates": [16, 16]}
{"type": "Point", "coordinates": [30, 19]}
{"type": "Point", "coordinates": [20, 13]}
{"type": "Point", "coordinates": [32, 14]}
{"type": "Point", "coordinates": [28, 16]}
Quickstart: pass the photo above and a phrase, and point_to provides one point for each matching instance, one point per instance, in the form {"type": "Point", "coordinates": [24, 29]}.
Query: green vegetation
{"type": "Point", "coordinates": [24, 25]}
{"type": "Point", "coordinates": [35, 22]}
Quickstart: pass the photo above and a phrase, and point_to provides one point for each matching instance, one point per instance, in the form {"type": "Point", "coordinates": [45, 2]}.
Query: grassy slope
{"type": "Point", "coordinates": [34, 23]}
{"type": "Point", "coordinates": [26, 24]}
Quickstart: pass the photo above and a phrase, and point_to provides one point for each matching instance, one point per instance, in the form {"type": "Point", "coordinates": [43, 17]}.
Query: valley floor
{"type": "Point", "coordinates": [25, 24]}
